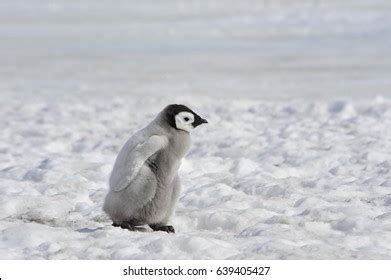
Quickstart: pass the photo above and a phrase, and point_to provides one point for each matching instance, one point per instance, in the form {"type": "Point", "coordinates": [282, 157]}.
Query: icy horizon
{"type": "Point", "coordinates": [263, 49]}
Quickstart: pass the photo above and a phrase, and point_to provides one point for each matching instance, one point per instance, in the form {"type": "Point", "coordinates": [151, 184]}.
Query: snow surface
{"type": "Point", "coordinates": [294, 163]}
{"type": "Point", "coordinates": [271, 180]}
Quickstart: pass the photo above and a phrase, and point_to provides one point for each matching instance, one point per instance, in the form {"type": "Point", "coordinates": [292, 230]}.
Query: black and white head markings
{"type": "Point", "coordinates": [182, 118]}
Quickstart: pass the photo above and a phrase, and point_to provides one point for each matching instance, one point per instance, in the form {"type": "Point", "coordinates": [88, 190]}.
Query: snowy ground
{"type": "Point", "coordinates": [295, 162]}
{"type": "Point", "coordinates": [262, 180]}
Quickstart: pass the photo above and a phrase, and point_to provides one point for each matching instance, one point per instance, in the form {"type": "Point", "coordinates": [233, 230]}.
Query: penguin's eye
{"type": "Point", "coordinates": [186, 119]}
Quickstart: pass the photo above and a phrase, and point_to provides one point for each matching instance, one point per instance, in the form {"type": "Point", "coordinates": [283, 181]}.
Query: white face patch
{"type": "Point", "coordinates": [184, 121]}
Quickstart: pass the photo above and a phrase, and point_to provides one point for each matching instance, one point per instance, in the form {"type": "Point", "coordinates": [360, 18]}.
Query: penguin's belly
{"type": "Point", "coordinates": [157, 209]}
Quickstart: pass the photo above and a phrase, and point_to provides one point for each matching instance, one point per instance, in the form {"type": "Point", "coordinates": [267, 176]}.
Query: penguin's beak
{"type": "Point", "coordinates": [199, 121]}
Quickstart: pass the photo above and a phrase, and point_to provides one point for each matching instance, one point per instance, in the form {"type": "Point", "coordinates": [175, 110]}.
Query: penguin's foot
{"type": "Point", "coordinates": [168, 229]}
{"type": "Point", "coordinates": [129, 226]}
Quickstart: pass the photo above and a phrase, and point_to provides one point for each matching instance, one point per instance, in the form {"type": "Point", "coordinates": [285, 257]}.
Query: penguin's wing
{"type": "Point", "coordinates": [137, 157]}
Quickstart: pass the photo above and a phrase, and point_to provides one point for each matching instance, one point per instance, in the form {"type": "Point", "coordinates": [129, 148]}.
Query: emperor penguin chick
{"type": "Point", "coordinates": [144, 183]}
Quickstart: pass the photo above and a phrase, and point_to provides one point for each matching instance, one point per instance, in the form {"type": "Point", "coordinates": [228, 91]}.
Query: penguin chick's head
{"type": "Point", "coordinates": [182, 118]}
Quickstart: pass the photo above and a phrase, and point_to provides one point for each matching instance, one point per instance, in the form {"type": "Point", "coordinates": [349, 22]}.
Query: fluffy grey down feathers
{"type": "Point", "coordinates": [144, 183]}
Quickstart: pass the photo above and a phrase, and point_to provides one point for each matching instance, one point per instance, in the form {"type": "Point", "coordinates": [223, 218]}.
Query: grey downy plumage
{"type": "Point", "coordinates": [144, 183]}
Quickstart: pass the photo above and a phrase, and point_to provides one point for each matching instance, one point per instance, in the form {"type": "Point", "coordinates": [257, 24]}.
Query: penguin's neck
{"type": "Point", "coordinates": [180, 143]}
{"type": "Point", "coordinates": [179, 140]}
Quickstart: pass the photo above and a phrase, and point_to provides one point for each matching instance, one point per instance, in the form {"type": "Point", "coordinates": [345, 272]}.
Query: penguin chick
{"type": "Point", "coordinates": [144, 183]}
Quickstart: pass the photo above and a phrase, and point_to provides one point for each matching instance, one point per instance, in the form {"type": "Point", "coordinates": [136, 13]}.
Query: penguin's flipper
{"type": "Point", "coordinates": [137, 157]}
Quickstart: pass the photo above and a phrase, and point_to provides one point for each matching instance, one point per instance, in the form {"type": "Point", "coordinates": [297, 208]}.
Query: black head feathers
{"type": "Point", "coordinates": [174, 109]}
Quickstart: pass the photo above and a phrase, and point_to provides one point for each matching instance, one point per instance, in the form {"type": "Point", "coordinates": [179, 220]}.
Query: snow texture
{"type": "Point", "coordinates": [270, 180]}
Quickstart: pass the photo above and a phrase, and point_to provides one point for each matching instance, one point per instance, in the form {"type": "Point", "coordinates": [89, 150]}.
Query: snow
{"type": "Point", "coordinates": [264, 179]}
{"type": "Point", "coordinates": [295, 160]}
